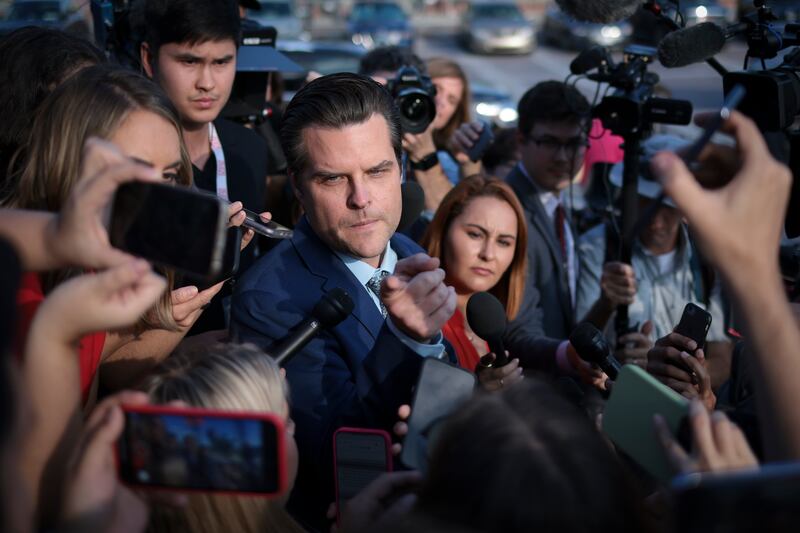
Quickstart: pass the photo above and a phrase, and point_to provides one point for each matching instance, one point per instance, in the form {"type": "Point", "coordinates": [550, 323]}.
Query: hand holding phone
{"type": "Point", "coordinates": [475, 153]}
{"type": "Point", "coordinates": [270, 229]}
{"type": "Point", "coordinates": [201, 450]}
{"type": "Point", "coordinates": [175, 227]}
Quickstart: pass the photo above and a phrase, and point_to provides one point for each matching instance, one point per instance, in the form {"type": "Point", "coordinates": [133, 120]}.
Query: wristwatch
{"type": "Point", "coordinates": [427, 162]}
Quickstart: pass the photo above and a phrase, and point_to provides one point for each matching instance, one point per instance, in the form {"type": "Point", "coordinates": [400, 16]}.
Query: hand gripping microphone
{"type": "Point", "coordinates": [691, 45]}
{"type": "Point", "coordinates": [330, 310]}
{"type": "Point", "coordinates": [599, 10]}
{"type": "Point", "coordinates": [487, 318]}
{"type": "Point", "coordinates": [592, 346]}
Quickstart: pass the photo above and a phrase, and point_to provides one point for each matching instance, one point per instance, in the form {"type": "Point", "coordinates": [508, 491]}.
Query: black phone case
{"type": "Point", "coordinates": [695, 323]}
{"type": "Point", "coordinates": [441, 389]}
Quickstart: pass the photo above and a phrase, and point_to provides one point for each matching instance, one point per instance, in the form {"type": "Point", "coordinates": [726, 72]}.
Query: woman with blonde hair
{"type": "Point", "coordinates": [131, 112]}
{"type": "Point", "coordinates": [479, 233]}
{"type": "Point", "coordinates": [233, 378]}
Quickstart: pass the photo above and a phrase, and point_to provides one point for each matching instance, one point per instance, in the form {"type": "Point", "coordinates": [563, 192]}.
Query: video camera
{"type": "Point", "coordinates": [773, 95]}
{"type": "Point", "coordinates": [414, 96]}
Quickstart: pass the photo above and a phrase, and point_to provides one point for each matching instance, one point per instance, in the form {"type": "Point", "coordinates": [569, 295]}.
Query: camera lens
{"type": "Point", "coordinates": [414, 108]}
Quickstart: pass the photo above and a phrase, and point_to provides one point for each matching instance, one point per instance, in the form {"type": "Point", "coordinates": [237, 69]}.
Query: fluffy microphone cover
{"type": "Point", "coordinates": [599, 10]}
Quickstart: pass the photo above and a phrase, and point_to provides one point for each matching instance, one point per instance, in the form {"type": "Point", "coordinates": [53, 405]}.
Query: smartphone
{"type": "Point", "coordinates": [479, 148]}
{"type": "Point", "coordinates": [441, 388]}
{"type": "Point", "coordinates": [359, 457]}
{"type": "Point", "coordinates": [764, 499]}
{"type": "Point", "coordinates": [695, 323]}
{"type": "Point", "coordinates": [230, 260]}
{"type": "Point", "coordinates": [628, 418]}
{"type": "Point", "coordinates": [201, 450]}
{"type": "Point", "coordinates": [270, 229]}
{"type": "Point", "coordinates": [174, 227]}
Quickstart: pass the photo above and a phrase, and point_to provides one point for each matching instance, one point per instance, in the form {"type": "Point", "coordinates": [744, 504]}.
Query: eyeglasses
{"type": "Point", "coordinates": [553, 145]}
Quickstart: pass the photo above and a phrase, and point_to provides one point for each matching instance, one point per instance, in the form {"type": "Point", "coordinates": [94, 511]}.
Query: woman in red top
{"type": "Point", "coordinates": [130, 111]}
{"type": "Point", "coordinates": [480, 235]}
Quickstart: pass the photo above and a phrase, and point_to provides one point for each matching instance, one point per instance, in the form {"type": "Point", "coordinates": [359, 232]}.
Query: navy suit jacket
{"type": "Point", "coordinates": [356, 374]}
{"type": "Point", "coordinates": [546, 269]}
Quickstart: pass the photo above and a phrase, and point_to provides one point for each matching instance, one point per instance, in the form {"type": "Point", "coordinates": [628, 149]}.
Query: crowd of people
{"type": "Point", "coordinates": [87, 329]}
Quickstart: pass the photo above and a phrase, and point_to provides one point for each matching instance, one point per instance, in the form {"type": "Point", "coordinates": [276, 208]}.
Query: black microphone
{"type": "Point", "coordinates": [599, 10]}
{"type": "Point", "coordinates": [487, 318]}
{"type": "Point", "coordinates": [413, 204]}
{"type": "Point", "coordinates": [691, 45]}
{"type": "Point", "coordinates": [331, 309]}
{"type": "Point", "coordinates": [592, 346]}
{"type": "Point", "coordinates": [589, 59]}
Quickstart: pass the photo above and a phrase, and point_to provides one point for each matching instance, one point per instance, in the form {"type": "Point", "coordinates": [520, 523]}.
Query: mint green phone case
{"type": "Point", "coordinates": [628, 418]}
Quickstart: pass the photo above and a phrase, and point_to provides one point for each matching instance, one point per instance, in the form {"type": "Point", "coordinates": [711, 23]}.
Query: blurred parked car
{"type": "Point", "coordinates": [373, 24]}
{"type": "Point", "coordinates": [281, 15]}
{"type": "Point", "coordinates": [497, 26]}
{"type": "Point", "coordinates": [493, 105]}
{"type": "Point", "coordinates": [558, 29]}
{"type": "Point", "coordinates": [50, 13]}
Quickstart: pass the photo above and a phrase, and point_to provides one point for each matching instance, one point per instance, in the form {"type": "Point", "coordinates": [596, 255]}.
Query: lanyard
{"type": "Point", "coordinates": [219, 155]}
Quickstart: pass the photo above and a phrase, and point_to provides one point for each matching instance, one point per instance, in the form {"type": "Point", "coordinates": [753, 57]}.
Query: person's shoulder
{"type": "Point", "coordinates": [244, 137]}
{"type": "Point", "coordinates": [405, 246]}
{"type": "Point", "coordinates": [594, 237]}
{"type": "Point", "coordinates": [279, 267]}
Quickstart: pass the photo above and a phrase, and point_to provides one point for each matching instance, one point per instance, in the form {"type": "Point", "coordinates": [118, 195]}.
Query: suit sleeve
{"type": "Point", "coordinates": [330, 387]}
{"type": "Point", "coordinates": [525, 338]}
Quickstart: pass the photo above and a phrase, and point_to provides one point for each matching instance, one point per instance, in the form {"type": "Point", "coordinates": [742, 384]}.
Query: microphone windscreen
{"type": "Point", "coordinates": [604, 11]}
{"type": "Point", "coordinates": [589, 342]}
{"type": "Point", "coordinates": [486, 316]}
{"type": "Point", "coordinates": [413, 204]}
{"type": "Point", "coordinates": [691, 45]}
{"type": "Point", "coordinates": [333, 307]}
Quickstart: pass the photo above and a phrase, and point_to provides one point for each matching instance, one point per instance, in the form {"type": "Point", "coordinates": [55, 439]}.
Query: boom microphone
{"type": "Point", "coordinates": [691, 45]}
{"type": "Point", "coordinates": [592, 346]}
{"type": "Point", "coordinates": [330, 310]}
{"type": "Point", "coordinates": [487, 318]}
{"type": "Point", "coordinates": [599, 10]}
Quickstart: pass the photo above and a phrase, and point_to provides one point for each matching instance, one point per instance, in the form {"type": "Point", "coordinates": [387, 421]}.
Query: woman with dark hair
{"type": "Point", "coordinates": [480, 235]}
{"type": "Point", "coordinates": [527, 460]}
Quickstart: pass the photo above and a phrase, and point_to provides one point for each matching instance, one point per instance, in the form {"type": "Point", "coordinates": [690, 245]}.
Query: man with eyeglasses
{"type": "Point", "coordinates": [552, 136]}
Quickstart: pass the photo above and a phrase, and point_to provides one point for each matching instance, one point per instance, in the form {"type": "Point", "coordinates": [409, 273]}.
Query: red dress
{"type": "Point", "coordinates": [456, 335]}
{"type": "Point", "coordinates": [29, 298]}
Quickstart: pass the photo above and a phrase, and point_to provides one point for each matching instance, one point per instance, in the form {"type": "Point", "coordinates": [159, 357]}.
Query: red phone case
{"type": "Point", "coordinates": [273, 419]}
{"type": "Point", "coordinates": [388, 444]}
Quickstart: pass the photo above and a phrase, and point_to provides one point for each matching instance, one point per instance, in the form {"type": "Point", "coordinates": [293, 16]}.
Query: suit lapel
{"type": "Point", "coordinates": [322, 262]}
{"type": "Point", "coordinates": [529, 197]}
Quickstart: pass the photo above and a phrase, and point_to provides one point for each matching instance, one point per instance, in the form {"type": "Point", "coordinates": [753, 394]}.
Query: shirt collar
{"type": "Point", "coordinates": [549, 199]}
{"type": "Point", "coordinates": [363, 271]}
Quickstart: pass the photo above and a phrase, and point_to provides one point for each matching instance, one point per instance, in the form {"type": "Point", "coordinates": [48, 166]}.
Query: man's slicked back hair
{"type": "Point", "coordinates": [189, 21]}
{"type": "Point", "coordinates": [335, 102]}
{"type": "Point", "coordinates": [552, 101]}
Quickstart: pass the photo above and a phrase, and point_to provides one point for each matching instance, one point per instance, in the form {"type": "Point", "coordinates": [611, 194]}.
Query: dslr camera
{"type": "Point", "coordinates": [414, 96]}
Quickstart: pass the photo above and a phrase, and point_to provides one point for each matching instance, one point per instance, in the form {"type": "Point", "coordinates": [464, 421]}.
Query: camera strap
{"type": "Point", "coordinates": [219, 156]}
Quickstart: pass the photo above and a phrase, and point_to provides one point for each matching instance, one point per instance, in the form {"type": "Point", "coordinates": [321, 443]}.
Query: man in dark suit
{"type": "Point", "coordinates": [190, 49]}
{"type": "Point", "coordinates": [552, 137]}
{"type": "Point", "coordinates": [341, 136]}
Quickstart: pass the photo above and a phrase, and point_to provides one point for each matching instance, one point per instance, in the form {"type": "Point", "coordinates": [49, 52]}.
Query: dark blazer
{"type": "Point", "coordinates": [356, 374]}
{"type": "Point", "coordinates": [246, 166]}
{"type": "Point", "coordinates": [546, 270]}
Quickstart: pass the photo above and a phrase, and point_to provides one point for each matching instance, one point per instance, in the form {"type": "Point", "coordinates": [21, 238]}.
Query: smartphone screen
{"type": "Point", "coordinates": [695, 323]}
{"type": "Point", "coordinates": [361, 456]}
{"type": "Point", "coordinates": [199, 450]}
{"type": "Point", "coordinates": [171, 226]}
